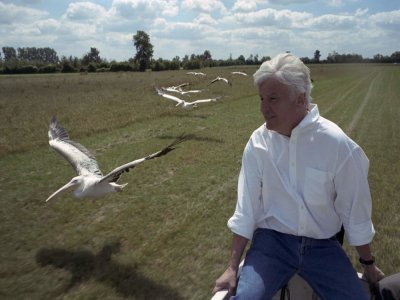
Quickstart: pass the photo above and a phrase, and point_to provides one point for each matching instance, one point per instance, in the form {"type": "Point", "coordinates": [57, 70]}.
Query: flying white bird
{"type": "Point", "coordinates": [178, 90]}
{"type": "Point", "coordinates": [190, 92]}
{"type": "Point", "coordinates": [184, 104]}
{"type": "Point", "coordinates": [196, 73]}
{"type": "Point", "coordinates": [220, 79]}
{"type": "Point", "coordinates": [90, 181]}
{"type": "Point", "coordinates": [175, 88]}
{"type": "Point", "coordinates": [239, 73]}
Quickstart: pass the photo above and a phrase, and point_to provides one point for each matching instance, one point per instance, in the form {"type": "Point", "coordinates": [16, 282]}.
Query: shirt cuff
{"type": "Point", "coordinates": [241, 226]}
{"type": "Point", "coordinates": [360, 234]}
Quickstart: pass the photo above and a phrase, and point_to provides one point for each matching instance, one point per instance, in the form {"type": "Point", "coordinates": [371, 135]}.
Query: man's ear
{"type": "Point", "coordinates": [301, 100]}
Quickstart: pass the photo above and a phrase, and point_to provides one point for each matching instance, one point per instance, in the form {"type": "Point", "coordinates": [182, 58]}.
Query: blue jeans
{"type": "Point", "coordinates": [274, 257]}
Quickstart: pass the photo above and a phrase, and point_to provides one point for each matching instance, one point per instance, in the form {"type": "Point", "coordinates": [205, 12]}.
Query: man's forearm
{"type": "Point", "coordinates": [364, 251]}
{"type": "Point", "coordinates": [238, 245]}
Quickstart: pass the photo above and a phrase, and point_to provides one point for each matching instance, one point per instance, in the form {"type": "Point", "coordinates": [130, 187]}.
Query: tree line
{"type": "Point", "coordinates": [45, 60]}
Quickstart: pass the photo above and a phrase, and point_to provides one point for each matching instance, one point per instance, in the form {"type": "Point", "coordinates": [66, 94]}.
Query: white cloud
{"type": "Point", "coordinates": [272, 17]}
{"type": "Point", "coordinates": [336, 3]}
{"type": "Point", "coordinates": [10, 13]}
{"type": "Point", "coordinates": [333, 22]}
{"type": "Point", "coordinates": [361, 12]}
{"type": "Point", "coordinates": [390, 20]}
{"type": "Point", "coordinates": [289, 2]}
{"type": "Point", "coordinates": [144, 9]}
{"type": "Point", "coordinates": [245, 5]}
{"type": "Point", "coordinates": [84, 12]}
{"type": "Point", "coordinates": [205, 19]}
{"type": "Point", "coordinates": [179, 30]}
{"type": "Point", "coordinates": [207, 6]}
{"type": "Point", "coordinates": [48, 26]}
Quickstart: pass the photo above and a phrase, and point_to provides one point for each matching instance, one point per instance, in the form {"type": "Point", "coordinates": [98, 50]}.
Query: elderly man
{"type": "Point", "coordinates": [302, 178]}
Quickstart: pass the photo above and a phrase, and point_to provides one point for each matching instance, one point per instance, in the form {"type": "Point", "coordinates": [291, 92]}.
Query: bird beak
{"type": "Point", "coordinates": [62, 189]}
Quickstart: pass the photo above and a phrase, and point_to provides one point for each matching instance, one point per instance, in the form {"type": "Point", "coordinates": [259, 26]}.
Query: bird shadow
{"type": "Point", "coordinates": [192, 116]}
{"type": "Point", "coordinates": [193, 137]}
{"type": "Point", "coordinates": [84, 265]}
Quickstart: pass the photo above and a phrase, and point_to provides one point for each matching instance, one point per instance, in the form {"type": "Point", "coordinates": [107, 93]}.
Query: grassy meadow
{"type": "Point", "coordinates": [165, 236]}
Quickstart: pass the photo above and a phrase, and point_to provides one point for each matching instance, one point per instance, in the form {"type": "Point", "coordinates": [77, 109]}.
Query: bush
{"type": "Point", "coordinates": [67, 68]}
{"type": "Point", "coordinates": [117, 67]}
{"type": "Point", "coordinates": [48, 69]}
{"type": "Point", "coordinates": [92, 67]}
{"type": "Point", "coordinates": [158, 66]}
{"type": "Point", "coordinates": [192, 64]}
{"type": "Point", "coordinates": [28, 69]}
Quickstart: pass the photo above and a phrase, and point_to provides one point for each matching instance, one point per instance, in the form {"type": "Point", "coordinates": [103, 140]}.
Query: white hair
{"type": "Point", "coordinates": [289, 70]}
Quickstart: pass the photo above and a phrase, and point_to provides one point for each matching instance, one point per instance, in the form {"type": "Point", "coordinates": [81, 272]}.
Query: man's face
{"type": "Point", "coordinates": [282, 107]}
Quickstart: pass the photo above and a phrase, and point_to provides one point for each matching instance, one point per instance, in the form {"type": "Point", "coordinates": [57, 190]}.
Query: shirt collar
{"type": "Point", "coordinates": [310, 118]}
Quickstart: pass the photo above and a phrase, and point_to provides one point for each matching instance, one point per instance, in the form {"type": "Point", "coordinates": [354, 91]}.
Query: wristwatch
{"type": "Point", "coordinates": [367, 262]}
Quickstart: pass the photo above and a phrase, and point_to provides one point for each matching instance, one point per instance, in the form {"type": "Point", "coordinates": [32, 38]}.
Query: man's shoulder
{"type": "Point", "coordinates": [331, 131]}
{"type": "Point", "coordinates": [330, 128]}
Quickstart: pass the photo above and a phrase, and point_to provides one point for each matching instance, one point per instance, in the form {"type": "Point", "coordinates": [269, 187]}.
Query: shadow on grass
{"type": "Point", "coordinates": [85, 265]}
{"type": "Point", "coordinates": [193, 137]}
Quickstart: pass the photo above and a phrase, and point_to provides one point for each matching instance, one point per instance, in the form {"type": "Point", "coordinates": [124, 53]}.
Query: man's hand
{"type": "Point", "coordinates": [373, 274]}
{"type": "Point", "coordinates": [227, 281]}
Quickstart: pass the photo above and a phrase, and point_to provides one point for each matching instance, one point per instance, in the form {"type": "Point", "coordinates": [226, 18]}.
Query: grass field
{"type": "Point", "coordinates": [165, 236]}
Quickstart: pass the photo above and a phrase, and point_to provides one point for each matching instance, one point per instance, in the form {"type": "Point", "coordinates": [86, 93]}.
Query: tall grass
{"type": "Point", "coordinates": [165, 236]}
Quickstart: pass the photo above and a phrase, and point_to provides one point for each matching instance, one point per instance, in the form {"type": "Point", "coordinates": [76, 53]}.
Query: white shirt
{"type": "Point", "coordinates": [308, 184]}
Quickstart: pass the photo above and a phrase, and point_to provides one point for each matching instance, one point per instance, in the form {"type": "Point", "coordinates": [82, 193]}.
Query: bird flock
{"type": "Point", "coordinates": [90, 181]}
{"type": "Point", "coordinates": [165, 92]}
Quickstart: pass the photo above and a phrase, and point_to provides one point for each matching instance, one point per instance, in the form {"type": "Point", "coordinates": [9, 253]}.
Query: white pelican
{"type": "Point", "coordinates": [90, 180]}
{"type": "Point", "coordinates": [196, 73]}
{"type": "Point", "coordinates": [173, 89]}
{"type": "Point", "coordinates": [184, 104]}
{"type": "Point", "coordinates": [190, 92]}
{"type": "Point", "coordinates": [239, 73]}
{"type": "Point", "coordinates": [219, 79]}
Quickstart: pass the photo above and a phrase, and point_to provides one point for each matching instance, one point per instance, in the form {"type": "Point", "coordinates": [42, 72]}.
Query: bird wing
{"type": "Point", "coordinates": [161, 93]}
{"type": "Point", "coordinates": [226, 81]}
{"type": "Point", "coordinates": [114, 175]}
{"type": "Point", "coordinates": [182, 85]}
{"type": "Point", "coordinates": [214, 80]}
{"type": "Point", "coordinates": [205, 100]}
{"type": "Point", "coordinates": [190, 92]}
{"type": "Point", "coordinates": [76, 154]}
{"type": "Point", "coordinates": [239, 73]}
{"type": "Point", "coordinates": [176, 99]}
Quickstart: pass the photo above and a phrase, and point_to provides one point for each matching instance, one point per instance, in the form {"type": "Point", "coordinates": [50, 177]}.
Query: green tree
{"type": "Point", "coordinates": [144, 50]}
{"type": "Point", "coordinates": [241, 60]}
{"type": "Point", "coordinates": [317, 55]}
{"type": "Point", "coordinates": [91, 57]}
{"type": "Point", "coordinates": [9, 53]}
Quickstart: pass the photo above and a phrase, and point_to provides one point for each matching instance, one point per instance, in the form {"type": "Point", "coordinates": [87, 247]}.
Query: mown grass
{"type": "Point", "coordinates": [165, 236]}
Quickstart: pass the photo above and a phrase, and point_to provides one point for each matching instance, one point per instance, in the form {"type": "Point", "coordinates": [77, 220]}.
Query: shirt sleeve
{"type": "Point", "coordinates": [353, 201]}
{"type": "Point", "coordinates": [249, 204]}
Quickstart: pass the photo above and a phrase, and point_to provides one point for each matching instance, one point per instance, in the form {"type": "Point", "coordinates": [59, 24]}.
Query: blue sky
{"type": "Point", "coordinates": [225, 28]}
